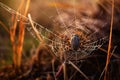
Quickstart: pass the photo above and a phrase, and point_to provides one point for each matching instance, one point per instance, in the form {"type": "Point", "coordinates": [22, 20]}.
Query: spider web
{"type": "Point", "coordinates": [87, 44]}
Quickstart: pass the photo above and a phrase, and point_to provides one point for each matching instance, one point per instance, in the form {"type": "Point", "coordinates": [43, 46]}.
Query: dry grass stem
{"type": "Point", "coordinates": [17, 48]}
{"type": "Point", "coordinates": [110, 42]}
{"type": "Point", "coordinates": [36, 32]}
{"type": "Point", "coordinates": [65, 71]}
{"type": "Point", "coordinates": [106, 66]}
{"type": "Point", "coordinates": [53, 68]}
{"type": "Point", "coordinates": [21, 34]}
{"type": "Point", "coordinates": [78, 70]}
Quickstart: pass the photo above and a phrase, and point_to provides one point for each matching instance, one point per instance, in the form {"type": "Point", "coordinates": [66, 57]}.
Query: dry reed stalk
{"type": "Point", "coordinates": [14, 26]}
{"type": "Point", "coordinates": [20, 43]}
{"type": "Point", "coordinates": [12, 35]}
{"type": "Point", "coordinates": [65, 71]}
{"type": "Point", "coordinates": [17, 48]}
{"type": "Point", "coordinates": [112, 54]}
{"type": "Point", "coordinates": [27, 7]}
{"type": "Point", "coordinates": [110, 42]}
{"type": "Point", "coordinates": [59, 71]}
{"type": "Point", "coordinates": [78, 70]}
{"type": "Point", "coordinates": [53, 68]}
{"type": "Point", "coordinates": [21, 35]}
{"type": "Point", "coordinates": [62, 67]}
{"type": "Point", "coordinates": [36, 32]}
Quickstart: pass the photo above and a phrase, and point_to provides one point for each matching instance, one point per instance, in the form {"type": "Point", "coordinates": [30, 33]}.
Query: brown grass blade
{"type": "Point", "coordinates": [36, 32]}
{"type": "Point", "coordinates": [110, 41]}
{"type": "Point", "coordinates": [65, 72]}
{"type": "Point", "coordinates": [21, 35]}
{"type": "Point", "coordinates": [27, 7]}
{"type": "Point", "coordinates": [112, 54]}
{"type": "Point", "coordinates": [53, 68]}
{"type": "Point", "coordinates": [12, 38]}
{"type": "Point", "coordinates": [17, 48]}
{"type": "Point", "coordinates": [12, 35]}
{"type": "Point", "coordinates": [78, 70]}
{"type": "Point", "coordinates": [20, 43]}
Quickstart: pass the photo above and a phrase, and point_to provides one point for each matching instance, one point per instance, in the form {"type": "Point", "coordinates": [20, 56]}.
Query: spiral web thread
{"type": "Point", "coordinates": [87, 49]}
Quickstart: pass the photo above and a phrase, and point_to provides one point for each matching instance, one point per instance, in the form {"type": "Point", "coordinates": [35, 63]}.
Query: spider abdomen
{"type": "Point", "coordinates": [75, 42]}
